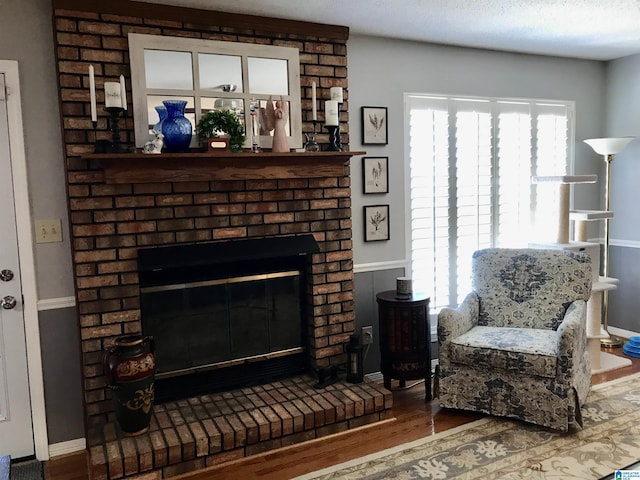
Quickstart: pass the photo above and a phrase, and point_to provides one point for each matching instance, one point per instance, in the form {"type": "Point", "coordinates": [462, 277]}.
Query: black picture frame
{"type": "Point", "coordinates": [376, 223]}
{"type": "Point", "coordinates": [375, 175]}
{"type": "Point", "coordinates": [375, 125]}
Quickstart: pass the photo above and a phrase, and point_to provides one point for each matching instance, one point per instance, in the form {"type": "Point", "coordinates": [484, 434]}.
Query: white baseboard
{"type": "Point", "coordinates": [623, 243]}
{"type": "Point", "coordinates": [373, 267]}
{"type": "Point", "coordinates": [374, 376]}
{"type": "Point", "coordinates": [56, 303]}
{"type": "Point", "coordinates": [64, 448]}
{"type": "Point", "coordinates": [621, 332]}
{"type": "Point", "coordinates": [377, 376]}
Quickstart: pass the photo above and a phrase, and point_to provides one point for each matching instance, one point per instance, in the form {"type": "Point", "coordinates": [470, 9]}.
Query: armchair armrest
{"type": "Point", "coordinates": [572, 338]}
{"type": "Point", "coordinates": [454, 322]}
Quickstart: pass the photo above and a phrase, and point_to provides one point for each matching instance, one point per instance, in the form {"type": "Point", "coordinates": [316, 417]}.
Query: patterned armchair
{"type": "Point", "coordinates": [516, 346]}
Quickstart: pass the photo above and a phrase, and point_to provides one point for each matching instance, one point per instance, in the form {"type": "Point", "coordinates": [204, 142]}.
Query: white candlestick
{"type": "Point", "coordinates": [112, 95]}
{"type": "Point", "coordinates": [331, 115]}
{"type": "Point", "coordinates": [314, 110]}
{"type": "Point", "coordinates": [336, 94]}
{"type": "Point", "coordinates": [92, 94]}
{"type": "Point", "coordinates": [123, 92]}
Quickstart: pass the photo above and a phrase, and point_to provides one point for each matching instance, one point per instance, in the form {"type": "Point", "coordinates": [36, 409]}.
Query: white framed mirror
{"type": "Point", "coordinates": [211, 74]}
{"type": "Point", "coordinates": [268, 76]}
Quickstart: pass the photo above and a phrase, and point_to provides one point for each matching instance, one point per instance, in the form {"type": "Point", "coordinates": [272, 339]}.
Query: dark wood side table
{"type": "Point", "coordinates": [405, 339]}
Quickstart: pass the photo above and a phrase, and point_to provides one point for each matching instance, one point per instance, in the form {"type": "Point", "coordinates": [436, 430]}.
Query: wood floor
{"type": "Point", "coordinates": [414, 419]}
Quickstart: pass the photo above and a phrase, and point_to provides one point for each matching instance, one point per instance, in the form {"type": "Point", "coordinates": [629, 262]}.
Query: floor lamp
{"type": "Point", "coordinates": [607, 147]}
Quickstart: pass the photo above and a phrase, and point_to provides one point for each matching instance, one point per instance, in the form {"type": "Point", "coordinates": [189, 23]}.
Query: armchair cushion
{"type": "Point", "coordinates": [530, 350]}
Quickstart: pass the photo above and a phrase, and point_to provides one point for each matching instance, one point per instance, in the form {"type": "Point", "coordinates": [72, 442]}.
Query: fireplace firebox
{"type": "Point", "coordinates": [227, 314]}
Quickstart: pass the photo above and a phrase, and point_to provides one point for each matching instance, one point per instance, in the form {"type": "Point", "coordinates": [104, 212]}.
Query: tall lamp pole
{"type": "Point", "coordinates": [607, 147]}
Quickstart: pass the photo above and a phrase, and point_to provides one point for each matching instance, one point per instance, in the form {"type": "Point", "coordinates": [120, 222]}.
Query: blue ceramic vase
{"type": "Point", "coordinates": [162, 113]}
{"type": "Point", "coordinates": [176, 128]}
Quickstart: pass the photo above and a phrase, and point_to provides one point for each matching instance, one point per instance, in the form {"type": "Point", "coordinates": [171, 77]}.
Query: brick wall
{"type": "Point", "coordinates": [110, 222]}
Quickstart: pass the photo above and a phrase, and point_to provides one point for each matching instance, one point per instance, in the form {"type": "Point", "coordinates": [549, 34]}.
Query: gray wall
{"type": "Point", "coordinates": [367, 285]}
{"type": "Point", "coordinates": [59, 338]}
{"type": "Point", "coordinates": [623, 105]}
{"type": "Point", "coordinates": [26, 35]}
{"type": "Point", "coordinates": [380, 72]}
{"type": "Point", "coordinates": [624, 302]}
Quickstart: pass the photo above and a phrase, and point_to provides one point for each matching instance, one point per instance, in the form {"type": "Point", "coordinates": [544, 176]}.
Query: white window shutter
{"type": "Point", "coordinates": [429, 145]}
{"type": "Point", "coordinates": [552, 140]}
{"type": "Point", "coordinates": [471, 163]}
{"type": "Point", "coordinates": [513, 173]}
{"type": "Point", "coordinates": [473, 187]}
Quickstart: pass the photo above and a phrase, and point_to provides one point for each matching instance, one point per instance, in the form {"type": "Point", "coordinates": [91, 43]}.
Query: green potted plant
{"type": "Point", "coordinates": [215, 123]}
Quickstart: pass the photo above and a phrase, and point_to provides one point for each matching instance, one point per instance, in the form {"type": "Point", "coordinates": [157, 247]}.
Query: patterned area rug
{"type": "Point", "coordinates": [494, 448]}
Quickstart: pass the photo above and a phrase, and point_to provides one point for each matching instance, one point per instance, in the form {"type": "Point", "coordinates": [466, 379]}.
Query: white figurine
{"type": "Point", "coordinates": [155, 145]}
{"type": "Point", "coordinates": [277, 119]}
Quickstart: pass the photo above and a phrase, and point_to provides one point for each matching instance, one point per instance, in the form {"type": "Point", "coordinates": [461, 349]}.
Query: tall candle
{"type": "Point", "coordinates": [331, 116]}
{"type": "Point", "coordinates": [123, 92]}
{"type": "Point", "coordinates": [112, 95]}
{"type": "Point", "coordinates": [314, 110]}
{"type": "Point", "coordinates": [92, 94]}
{"type": "Point", "coordinates": [336, 94]}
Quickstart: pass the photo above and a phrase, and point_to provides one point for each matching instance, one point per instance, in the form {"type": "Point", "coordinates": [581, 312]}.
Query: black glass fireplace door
{"type": "Point", "coordinates": [221, 323]}
{"type": "Point", "coordinates": [228, 314]}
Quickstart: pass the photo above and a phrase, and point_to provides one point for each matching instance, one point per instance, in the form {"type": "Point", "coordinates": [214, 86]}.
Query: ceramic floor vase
{"type": "Point", "coordinates": [176, 128]}
{"type": "Point", "coordinates": [130, 369]}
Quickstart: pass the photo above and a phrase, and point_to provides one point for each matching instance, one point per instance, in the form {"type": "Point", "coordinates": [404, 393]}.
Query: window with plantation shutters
{"type": "Point", "coordinates": [471, 162]}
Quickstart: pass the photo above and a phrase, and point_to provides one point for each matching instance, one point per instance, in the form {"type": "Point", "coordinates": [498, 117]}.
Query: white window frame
{"type": "Point", "coordinates": [570, 107]}
{"type": "Point", "coordinates": [138, 43]}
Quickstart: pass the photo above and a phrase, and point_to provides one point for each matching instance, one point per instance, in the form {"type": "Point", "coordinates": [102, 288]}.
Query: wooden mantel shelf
{"type": "Point", "coordinates": [189, 167]}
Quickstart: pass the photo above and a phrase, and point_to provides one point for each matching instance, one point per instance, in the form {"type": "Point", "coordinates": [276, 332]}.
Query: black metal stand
{"type": "Point", "coordinates": [335, 145]}
{"type": "Point", "coordinates": [327, 376]}
{"type": "Point", "coordinates": [114, 146]}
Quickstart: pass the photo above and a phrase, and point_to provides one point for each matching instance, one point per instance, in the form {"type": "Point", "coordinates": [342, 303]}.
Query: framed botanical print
{"type": "Point", "coordinates": [374, 126]}
{"type": "Point", "coordinates": [375, 175]}
{"type": "Point", "coordinates": [376, 223]}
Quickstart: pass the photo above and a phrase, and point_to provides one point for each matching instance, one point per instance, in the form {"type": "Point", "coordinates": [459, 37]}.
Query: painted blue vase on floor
{"type": "Point", "coordinates": [162, 113]}
{"type": "Point", "coordinates": [176, 128]}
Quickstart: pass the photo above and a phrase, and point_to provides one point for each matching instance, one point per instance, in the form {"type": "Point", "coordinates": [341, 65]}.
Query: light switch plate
{"type": "Point", "coordinates": [48, 231]}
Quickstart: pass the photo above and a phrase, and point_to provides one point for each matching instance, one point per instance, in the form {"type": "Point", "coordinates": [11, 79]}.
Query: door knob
{"type": "Point", "coordinates": [8, 302]}
{"type": "Point", "coordinates": [6, 275]}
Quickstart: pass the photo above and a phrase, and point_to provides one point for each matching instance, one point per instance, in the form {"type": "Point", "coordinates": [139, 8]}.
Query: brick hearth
{"type": "Point", "coordinates": [208, 430]}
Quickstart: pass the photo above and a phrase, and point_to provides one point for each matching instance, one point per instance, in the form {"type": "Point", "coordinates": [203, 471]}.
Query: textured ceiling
{"type": "Point", "coordinates": [591, 29]}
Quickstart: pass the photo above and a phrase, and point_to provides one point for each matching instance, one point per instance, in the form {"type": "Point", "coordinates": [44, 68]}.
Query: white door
{"type": "Point", "coordinates": [16, 431]}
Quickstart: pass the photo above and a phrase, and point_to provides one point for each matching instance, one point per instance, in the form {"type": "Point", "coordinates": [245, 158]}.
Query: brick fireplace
{"type": "Point", "coordinates": [118, 206]}
{"type": "Point", "coordinates": [208, 429]}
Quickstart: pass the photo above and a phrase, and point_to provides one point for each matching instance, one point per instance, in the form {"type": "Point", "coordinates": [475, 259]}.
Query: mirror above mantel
{"type": "Point", "coordinates": [210, 74]}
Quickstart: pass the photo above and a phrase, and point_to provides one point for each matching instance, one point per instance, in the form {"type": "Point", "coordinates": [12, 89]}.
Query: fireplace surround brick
{"type": "Point", "coordinates": [110, 222]}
